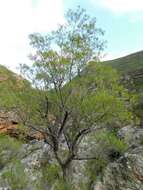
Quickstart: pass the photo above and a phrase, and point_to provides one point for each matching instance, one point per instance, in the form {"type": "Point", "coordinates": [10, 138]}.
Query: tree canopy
{"type": "Point", "coordinates": [78, 95]}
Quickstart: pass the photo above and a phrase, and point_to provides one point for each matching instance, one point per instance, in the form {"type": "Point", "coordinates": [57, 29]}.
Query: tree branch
{"type": "Point", "coordinates": [67, 141]}
{"type": "Point", "coordinates": [85, 158]}
{"type": "Point", "coordinates": [43, 132]}
{"type": "Point", "coordinates": [82, 133]}
{"type": "Point", "coordinates": [63, 123]}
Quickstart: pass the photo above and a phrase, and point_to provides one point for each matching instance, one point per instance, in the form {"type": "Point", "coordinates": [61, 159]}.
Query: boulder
{"type": "Point", "coordinates": [126, 174]}
{"type": "Point", "coordinates": [133, 136]}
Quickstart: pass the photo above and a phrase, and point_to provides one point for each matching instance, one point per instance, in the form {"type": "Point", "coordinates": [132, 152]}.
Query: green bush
{"type": "Point", "coordinates": [51, 173]}
{"type": "Point", "coordinates": [15, 176]}
{"type": "Point", "coordinates": [52, 176]}
{"type": "Point", "coordinates": [7, 142]}
{"type": "Point", "coordinates": [108, 148]}
{"type": "Point", "coordinates": [9, 148]}
{"type": "Point", "coordinates": [61, 185]}
{"type": "Point", "coordinates": [110, 143]}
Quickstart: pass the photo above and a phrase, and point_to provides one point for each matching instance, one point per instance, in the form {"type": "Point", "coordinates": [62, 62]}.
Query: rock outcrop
{"type": "Point", "coordinates": [9, 125]}
{"type": "Point", "coordinates": [127, 172]}
{"type": "Point", "coordinates": [33, 157]}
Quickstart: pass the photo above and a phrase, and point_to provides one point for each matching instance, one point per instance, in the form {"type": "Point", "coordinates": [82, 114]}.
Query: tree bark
{"type": "Point", "coordinates": [66, 172]}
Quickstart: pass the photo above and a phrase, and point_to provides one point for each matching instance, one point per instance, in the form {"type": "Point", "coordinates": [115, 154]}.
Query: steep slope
{"type": "Point", "coordinates": [16, 96]}
{"type": "Point", "coordinates": [10, 84]}
{"type": "Point", "coordinates": [129, 63]}
{"type": "Point", "coordinates": [131, 67]}
{"type": "Point", "coordinates": [27, 166]}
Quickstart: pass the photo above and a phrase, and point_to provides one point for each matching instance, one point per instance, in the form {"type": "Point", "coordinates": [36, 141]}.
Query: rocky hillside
{"type": "Point", "coordinates": [31, 167]}
{"type": "Point", "coordinates": [13, 89]}
{"type": "Point", "coordinates": [127, 172]}
{"type": "Point", "coordinates": [131, 65]}
{"type": "Point", "coordinates": [27, 162]}
{"type": "Point", "coordinates": [10, 85]}
{"type": "Point", "coordinates": [131, 68]}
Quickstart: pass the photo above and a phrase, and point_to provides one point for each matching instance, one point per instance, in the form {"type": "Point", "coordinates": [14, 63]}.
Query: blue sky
{"type": "Point", "coordinates": [121, 19]}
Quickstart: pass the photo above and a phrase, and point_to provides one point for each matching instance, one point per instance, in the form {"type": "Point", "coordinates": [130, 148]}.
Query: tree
{"type": "Point", "coordinates": [77, 95]}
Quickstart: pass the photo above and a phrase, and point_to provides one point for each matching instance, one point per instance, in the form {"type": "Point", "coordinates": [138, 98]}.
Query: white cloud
{"type": "Point", "coordinates": [112, 56]}
{"type": "Point", "coordinates": [19, 18]}
{"type": "Point", "coordinates": [121, 6]}
{"type": "Point", "coordinates": [122, 53]}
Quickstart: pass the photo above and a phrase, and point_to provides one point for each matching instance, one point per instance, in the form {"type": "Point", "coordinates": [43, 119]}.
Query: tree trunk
{"type": "Point", "coordinates": [66, 172]}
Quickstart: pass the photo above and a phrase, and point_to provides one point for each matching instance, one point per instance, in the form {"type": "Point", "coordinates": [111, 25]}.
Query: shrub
{"type": "Point", "coordinates": [51, 173]}
{"type": "Point", "coordinates": [108, 148]}
{"type": "Point", "coordinates": [8, 149]}
{"type": "Point", "coordinates": [15, 176]}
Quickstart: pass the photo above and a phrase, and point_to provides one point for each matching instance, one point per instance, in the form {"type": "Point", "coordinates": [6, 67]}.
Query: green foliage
{"type": "Point", "coordinates": [8, 143]}
{"type": "Point", "coordinates": [138, 106]}
{"type": "Point", "coordinates": [27, 102]}
{"type": "Point", "coordinates": [15, 176]}
{"type": "Point", "coordinates": [129, 63]}
{"type": "Point", "coordinates": [132, 64]}
{"type": "Point", "coordinates": [98, 95]}
{"type": "Point", "coordinates": [110, 140]}
{"type": "Point", "coordinates": [9, 148]}
{"type": "Point", "coordinates": [75, 92]}
{"type": "Point", "coordinates": [51, 173]}
{"type": "Point", "coordinates": [62, 185]}
{"type": "Point", "coordinates": [108, 149]}
{"type": "Point", "coordinates": [10, 84]}
{"type": "Point", "coordinates": [77, 42]}
{"type": "Point", "coordinates": [17, 94]}
{"type": "Point", "coordinates": [94, 170]}
{"type": "Point", "coordinates": [69, 81]}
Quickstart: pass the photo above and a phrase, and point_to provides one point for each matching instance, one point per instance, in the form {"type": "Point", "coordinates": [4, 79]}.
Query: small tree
{"type": "Point", "coordinates": [76, 94]}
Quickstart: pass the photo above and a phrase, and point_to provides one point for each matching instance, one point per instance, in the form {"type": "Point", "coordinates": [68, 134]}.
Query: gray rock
{"type": "Point", "coordinates": [126, 173]}
{"type": "Point", "coordinates": [98, 186]}
{"type": "Point", "coordinates": [9, 116]}
{"type": "Point", "coordinates": [33, 157]}
{"type": "Point", "coordinates": [131, 135]}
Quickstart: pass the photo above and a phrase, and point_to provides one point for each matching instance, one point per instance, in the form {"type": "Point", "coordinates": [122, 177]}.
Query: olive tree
{"type": "Point", "coordinates": [76, 94]}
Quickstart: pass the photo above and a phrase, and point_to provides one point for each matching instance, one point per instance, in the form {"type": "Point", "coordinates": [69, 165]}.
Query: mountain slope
{"type": "Point", "coordinates": [131, 65]}
{"type": "Point", "coordinates": [11, 86]}
{"type": "Point", "coordinates": [128, 63]}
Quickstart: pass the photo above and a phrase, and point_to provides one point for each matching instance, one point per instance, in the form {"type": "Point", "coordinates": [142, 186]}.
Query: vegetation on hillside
{"type": "Point", "coordinates": [78, 96]}
{"type": "Point", "coordinates": [131, 67]}
{"type": "Point", "coordinates": [129, 63]}
{"type": "Point", "coordinates": [74, 100]}
{"type": "Point", "coordinates": [10, 85]}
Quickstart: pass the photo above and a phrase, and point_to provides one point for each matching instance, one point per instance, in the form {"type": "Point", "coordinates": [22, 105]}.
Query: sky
{"type": "Point", "coordinates": [122, 21]}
